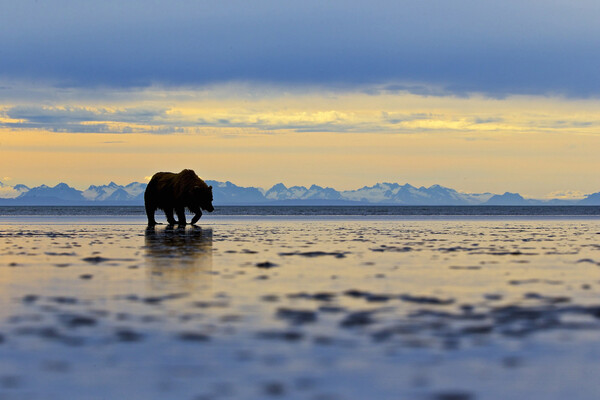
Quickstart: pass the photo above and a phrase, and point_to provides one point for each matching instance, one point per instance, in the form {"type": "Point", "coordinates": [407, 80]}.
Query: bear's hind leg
{"type": "Point", "coordinates": [180, 215]}
{"type": "Point", "coordinates": [169, 215]}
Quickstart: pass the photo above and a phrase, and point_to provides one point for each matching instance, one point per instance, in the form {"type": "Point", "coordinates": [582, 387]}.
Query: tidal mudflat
{"type": "Point", "coordinates": [301, 309]}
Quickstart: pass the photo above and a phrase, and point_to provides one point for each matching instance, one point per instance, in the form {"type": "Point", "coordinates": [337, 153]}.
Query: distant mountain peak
{"type": "Point", "coordinates": [278, 186]}
{"type": "Point", "coordinates": [591, 199]}
{"type": "Point", "coordinates": [507, 198]}
{"type": "Point", "coordinates": [134, 184]}
{"type": "Point", "coordinates": [228, 193]}
{"type": "Point", "coordinates": [513, 195]}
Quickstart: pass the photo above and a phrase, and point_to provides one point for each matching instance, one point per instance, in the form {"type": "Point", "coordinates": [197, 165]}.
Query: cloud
{"type": "Point", "coordinates": [76, 119]}
{"type": "Point", "coordinates": [228, 111]}
{"type": "Point", "coordinates": [459, 47]}
{"type": "Point", "coordinates": [56, 114]}
{"type": "Point", "coordinates": [399, 118]}
{"type": "Point", "coordinates": [567, 195]}
{"type": "Point", "coordinates": [8, 192]}
{"type": "Point", "coordinates": [488, 120]}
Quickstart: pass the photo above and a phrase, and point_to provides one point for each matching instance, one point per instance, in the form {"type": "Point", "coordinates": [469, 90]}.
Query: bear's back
{"type": "Point", "coordinates": [188, 178]}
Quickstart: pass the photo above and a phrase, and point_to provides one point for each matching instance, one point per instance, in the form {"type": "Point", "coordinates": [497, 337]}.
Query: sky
{"type": "Point", "coordinates": [479, 96]}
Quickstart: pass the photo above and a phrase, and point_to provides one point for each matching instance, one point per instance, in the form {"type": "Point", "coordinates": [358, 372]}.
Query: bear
{"type": "Point", "coordinates": [174, 192]}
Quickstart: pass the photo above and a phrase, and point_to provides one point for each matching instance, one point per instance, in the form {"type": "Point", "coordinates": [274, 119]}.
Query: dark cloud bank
{"type": "Point", "coordinates": [496, 48]}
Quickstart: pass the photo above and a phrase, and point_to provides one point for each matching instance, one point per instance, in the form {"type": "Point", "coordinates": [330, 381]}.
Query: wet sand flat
{"type": "Point", "coordinates": [301, 309]}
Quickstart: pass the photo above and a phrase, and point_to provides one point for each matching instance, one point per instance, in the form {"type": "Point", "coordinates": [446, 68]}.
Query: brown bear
{"type": "Point", "coordinates": [169, 191]}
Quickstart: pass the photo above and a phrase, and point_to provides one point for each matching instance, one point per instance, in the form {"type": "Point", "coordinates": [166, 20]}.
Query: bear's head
{"type": "Point", "coordinates": [203, 197]}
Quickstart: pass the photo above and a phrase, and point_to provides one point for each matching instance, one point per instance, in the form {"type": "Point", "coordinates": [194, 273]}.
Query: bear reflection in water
{"type": "Point", "coordinates": [178, 256]}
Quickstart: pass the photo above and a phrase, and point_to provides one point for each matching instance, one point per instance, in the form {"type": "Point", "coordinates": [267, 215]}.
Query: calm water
{"type": "Point", "coordinates": [414, 211]}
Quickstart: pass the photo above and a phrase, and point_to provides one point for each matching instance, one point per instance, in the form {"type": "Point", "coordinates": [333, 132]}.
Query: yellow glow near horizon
{"type": "Point", "coordinates": [533, 145]}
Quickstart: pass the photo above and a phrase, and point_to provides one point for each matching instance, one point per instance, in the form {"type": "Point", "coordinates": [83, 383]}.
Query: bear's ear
{"type": "Point", "coordinates": [210, 187]}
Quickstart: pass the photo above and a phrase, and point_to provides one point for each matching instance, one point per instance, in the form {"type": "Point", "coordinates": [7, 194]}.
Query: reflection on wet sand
{"type": "Point", "coordinates": [351, 310]}
{"type": "Point", "coordinates": [179, 256]}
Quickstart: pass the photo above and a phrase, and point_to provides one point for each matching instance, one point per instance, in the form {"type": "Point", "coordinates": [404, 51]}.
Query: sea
{"type": "Point", "coordinates": [394, 212]}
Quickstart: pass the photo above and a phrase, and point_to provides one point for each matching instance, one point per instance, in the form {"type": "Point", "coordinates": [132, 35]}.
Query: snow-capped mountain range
{"type": "Point", "coordinates": [115, 193]}
{"type": "Point", "coordinates": [227, 193]}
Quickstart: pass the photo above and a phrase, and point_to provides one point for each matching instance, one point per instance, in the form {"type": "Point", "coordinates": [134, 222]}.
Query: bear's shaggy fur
{"type": "Point", "coordinates": [174, 192]}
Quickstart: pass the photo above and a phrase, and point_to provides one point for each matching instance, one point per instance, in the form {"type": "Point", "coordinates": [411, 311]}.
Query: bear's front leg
{"type": "Point", "coordinates": [197, 214]}
{"type": "Point", "coordinates": [150, 214]}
